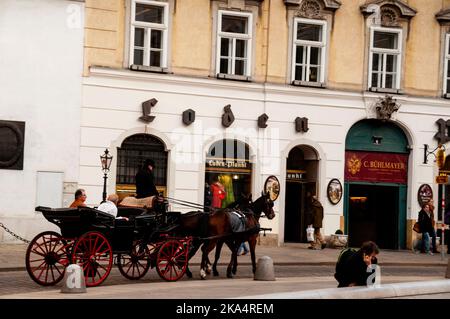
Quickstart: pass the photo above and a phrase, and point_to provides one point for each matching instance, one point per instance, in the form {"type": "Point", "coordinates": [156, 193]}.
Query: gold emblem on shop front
{"type": "Point", "coordinates": [354, 165]}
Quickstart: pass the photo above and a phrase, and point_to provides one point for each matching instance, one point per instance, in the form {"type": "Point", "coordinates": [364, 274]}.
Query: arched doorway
{"type": "Point", "coordinates": [228, 161]}
{"type": "Point", "coordinates": [301, 178]}
{"type": "Point", "coordinates": [130, 157]}
{"type": "Point", "coordinates": [376, 173]}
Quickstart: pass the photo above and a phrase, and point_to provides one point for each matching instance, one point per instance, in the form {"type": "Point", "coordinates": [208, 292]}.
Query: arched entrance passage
{"type": "Point", "coordinates": [227, 161]}
{"type": "Point", "coordinates": [130, 157]}
{"type": "Point", "coordinates": [301, 178]}
{"type": "Point", "coordinates": [376, 172]}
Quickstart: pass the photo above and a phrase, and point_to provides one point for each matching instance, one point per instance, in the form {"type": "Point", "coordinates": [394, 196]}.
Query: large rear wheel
{"type": "Point", "coordinates": [47, 257]}
{"type": "Point", "coordinates": [93, 253]}
{"type": "Point", "coordinates": [171, 261]}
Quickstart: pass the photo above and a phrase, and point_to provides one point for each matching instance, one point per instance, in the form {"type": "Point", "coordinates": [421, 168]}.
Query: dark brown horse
{"type": "Point", "coordinates": [220, 232]}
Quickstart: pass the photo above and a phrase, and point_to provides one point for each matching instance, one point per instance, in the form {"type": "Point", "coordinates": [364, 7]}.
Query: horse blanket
{"type": "Point", "coordinates": [130, 201]}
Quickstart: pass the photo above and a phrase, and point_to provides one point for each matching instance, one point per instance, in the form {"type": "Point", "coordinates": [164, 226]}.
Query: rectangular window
{"type": "Point", "coordinates": [149, 28]}
{"type": "Point", "coordinates": [447, 65]}
{"type": "Point", "coordinates": [309, 49]}
{"type": "Point", "coordinates": [234, 36]}
{"type": "Point", "coordinates": [385, 58]}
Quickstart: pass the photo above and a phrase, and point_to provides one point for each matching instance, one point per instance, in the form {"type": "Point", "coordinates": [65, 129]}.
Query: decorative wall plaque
{"type": "Point", "coordinates": [424, 194]}
{"type": "Point", "coordinates": [262, 120]}
{"type": "Point", "coordinates": [272, 186]}
{"type": "Point", "coordinates": [12, 136]}
{"type": "Point", "coordinates": [334, 191]}
{"type": "Point", "coordinates": [301, 124]}
{"type": "Point", "coordinates": [188, 117]}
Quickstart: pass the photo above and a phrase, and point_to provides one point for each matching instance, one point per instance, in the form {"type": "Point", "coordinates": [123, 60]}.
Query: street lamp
{"type": "Point", "coordinates": [106, 160]}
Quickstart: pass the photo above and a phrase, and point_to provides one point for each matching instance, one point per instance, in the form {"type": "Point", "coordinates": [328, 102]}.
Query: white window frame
{"type": "Point", "coordinates": [248, 37]}
{"type": "Point", "coordinates": [164, 27]}
{"type": "Point", "coordinates": [397, 52]}
{"type": "Point", "coordinates": [309, 44]}
{"type": "Point", "coordinates": [446, 60]}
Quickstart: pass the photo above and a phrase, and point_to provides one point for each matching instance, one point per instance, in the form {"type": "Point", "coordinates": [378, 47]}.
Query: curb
{"type": "Point", "coordinates": [416, 288]}
{"type": "Point", "coordinates": [288, 263]}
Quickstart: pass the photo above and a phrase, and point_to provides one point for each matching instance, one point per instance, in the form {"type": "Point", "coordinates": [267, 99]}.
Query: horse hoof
{"type": "Point", "coordinates": [229, 276]}
{"type": "Point", "coordinates": [216, 273]}
{"type": "Point", "coordinates": [208, 269]}
{"type": "Point", "coordinates": [234, 272]}
{"type": "Point", "coordinates": [202, 274]}
{"type": "Point", "coordinates": [189, 274]}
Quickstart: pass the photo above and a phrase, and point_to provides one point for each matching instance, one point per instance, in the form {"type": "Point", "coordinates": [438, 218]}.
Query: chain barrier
{"type": "Point", "coordinates": [13, 234]}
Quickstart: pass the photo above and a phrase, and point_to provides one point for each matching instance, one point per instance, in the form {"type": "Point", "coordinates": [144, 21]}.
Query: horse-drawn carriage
{"type": "Point", "coordinates": [91, 239]}
{"type": "Point", "coordinates": [148, 237]}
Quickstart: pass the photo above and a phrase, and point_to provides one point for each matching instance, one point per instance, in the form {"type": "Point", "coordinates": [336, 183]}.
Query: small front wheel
{"type": "Point", "coordinates": [172, 260]}
{"type": "Point", "coordinates": [135, 265]}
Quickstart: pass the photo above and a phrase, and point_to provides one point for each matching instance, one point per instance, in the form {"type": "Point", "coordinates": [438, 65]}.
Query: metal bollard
{"type": "Point", "coordinates": [73, 281]}
{"type": "Point", "coordinates": [264, 269]}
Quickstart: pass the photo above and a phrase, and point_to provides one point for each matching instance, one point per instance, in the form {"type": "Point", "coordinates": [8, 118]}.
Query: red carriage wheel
{"type": "Point", "coordinates": [171, 261]}
{"type": "Point", "coordinates": [47, 257]}
{"type": "Point", "coordinates": [93, 253]}
{"type": "Point", "coordinates": [135, 265]}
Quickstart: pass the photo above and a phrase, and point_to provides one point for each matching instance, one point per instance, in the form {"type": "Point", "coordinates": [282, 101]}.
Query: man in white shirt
{"type": "Point", "coordinates": [110, 205]}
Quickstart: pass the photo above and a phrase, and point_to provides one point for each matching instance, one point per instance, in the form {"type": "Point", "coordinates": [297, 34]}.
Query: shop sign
{"type": "Point", "coordinates": [376, 167]}
{"type": "Point", "coordinates": [442, 179]}
{"type": "Point", "coordinates": [227, 163]}
{"type": "Point", "coordinates": [295, 175]}
{"type": "Point", "coordinates": [424, 194]}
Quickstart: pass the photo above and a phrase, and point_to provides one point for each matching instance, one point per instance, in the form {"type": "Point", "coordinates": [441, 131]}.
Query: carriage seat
{"type": "Point", "coordinates": [125, 211]}
{"type": "Point", "coordinates": [129, 201]}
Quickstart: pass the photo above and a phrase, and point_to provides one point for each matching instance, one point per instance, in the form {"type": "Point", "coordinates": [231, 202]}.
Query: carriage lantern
{"type": "Point", "coordinates": [106, 160]}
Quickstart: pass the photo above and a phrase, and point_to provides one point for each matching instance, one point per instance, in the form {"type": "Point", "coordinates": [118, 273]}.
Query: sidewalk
{"type": "Point", "coordinates": [12, 256]}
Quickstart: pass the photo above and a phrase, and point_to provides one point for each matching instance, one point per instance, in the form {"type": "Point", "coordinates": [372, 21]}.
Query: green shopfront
{"type": "Point", "coordinates": [376, 179]}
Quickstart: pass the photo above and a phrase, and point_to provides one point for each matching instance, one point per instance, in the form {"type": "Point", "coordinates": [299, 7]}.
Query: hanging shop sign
{"type": "Point", "coordinates": [424, 194]}
{"type": "Point", "coordinates": [442, 179]}
{"type": "Point", "coordinates": [376, 167]}
{"type": "Point", "coordinates": [272, 186]}
{"type": "Point", "coordinates": [334, 191]}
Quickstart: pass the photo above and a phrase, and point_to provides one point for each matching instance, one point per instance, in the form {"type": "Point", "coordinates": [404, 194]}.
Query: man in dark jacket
{"type": "Point", "coordinates": [352, 266]}
{"type": "Point", "coordinates": [145, 185]}
{"type": "Point", "coordinates": [426, 228]}
{"type": "Point", "coordinates": [317, 217]}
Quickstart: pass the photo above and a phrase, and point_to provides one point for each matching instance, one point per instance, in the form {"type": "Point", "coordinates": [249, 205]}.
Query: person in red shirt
{"type": "Point", "coordinates": [218, 193]}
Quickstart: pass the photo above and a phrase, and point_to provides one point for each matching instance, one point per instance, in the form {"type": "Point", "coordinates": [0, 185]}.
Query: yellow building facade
{"type": "Point", "coordinates": [192, 37]}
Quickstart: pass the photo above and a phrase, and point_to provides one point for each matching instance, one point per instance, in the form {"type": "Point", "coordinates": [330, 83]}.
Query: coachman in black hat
{"type": "Point", "coordinates": [145, 185]}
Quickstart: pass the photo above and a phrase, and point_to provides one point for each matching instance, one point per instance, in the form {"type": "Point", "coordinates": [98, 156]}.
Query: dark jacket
{"type": "Point", "coordinates": [317, 211]}
{"type": "Point", "coordinates": [353, 270]}
{"type": "Point", "coordinates": [447, 218]}
{"type": "Point", "coordinates": [425, 223]}
{"type": "Point", "coordinates": [145, 185]}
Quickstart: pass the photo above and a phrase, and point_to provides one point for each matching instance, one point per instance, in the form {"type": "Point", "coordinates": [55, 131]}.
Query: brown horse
{"type": "Point", "coordinates": [220, 232]}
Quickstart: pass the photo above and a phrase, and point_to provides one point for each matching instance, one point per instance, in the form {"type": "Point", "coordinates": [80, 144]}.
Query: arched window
{"type": "Point", "coordinates": [131, 155]}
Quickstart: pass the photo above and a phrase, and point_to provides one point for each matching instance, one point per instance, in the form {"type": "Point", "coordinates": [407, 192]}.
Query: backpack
{"type": "Point", "coordinates": [344, 256]}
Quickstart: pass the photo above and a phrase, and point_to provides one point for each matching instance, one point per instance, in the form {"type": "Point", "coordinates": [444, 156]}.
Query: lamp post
{"type": "Point", "coordinates": [105, 160]}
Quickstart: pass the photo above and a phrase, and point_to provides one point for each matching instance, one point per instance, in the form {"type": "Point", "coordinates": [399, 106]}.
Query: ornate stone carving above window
{"type": "Point", "coordinates": [313, 9]}
{"type": "Point", "coordinates": [390, 10]}
{"type": "Point", "coordinates": [389, 17]}
{"type": "Point", "coordinates": [443, 16]}
{"type": "Point", "coordinates": [328, 5]}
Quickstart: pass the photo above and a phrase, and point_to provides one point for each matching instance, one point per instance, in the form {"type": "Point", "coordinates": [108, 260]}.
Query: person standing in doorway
{"type": "Point", "coordinates": [317, 218]}
{"type": "Point", "coordinates": [80, 198]}
{"type": "Point", "coordinates": [145, 185]}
